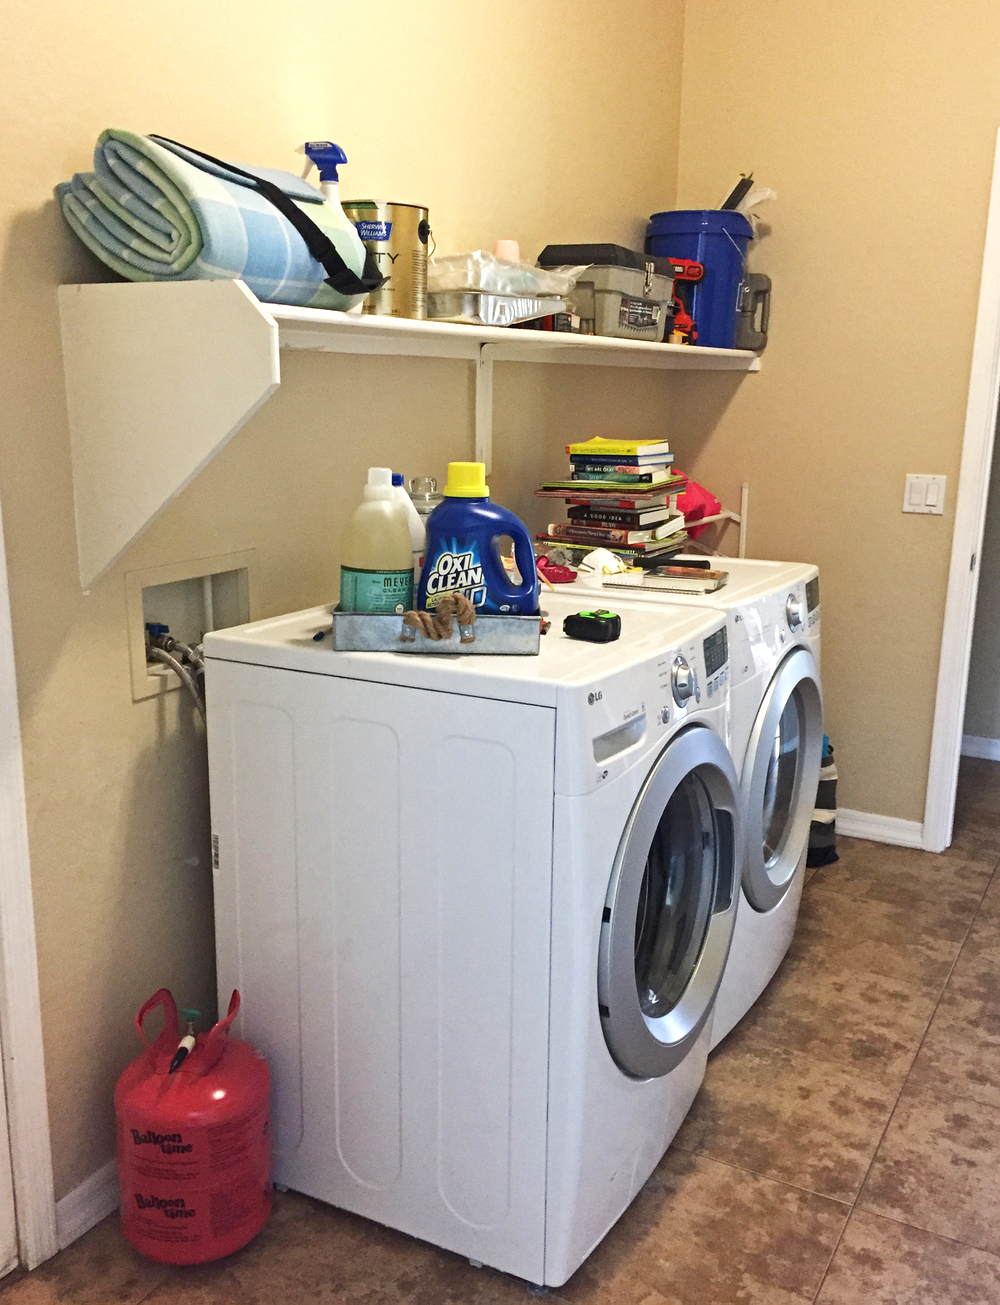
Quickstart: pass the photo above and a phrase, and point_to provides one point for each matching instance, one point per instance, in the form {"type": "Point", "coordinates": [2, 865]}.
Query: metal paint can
{"type": "Point", "coordinates": [397, 236]}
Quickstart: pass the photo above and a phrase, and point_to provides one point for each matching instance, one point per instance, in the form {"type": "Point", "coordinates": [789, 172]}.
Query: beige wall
{"type": "Point", "coordinates": [876, 124]}
{"type": "Point", "coordinates": [508, 119]}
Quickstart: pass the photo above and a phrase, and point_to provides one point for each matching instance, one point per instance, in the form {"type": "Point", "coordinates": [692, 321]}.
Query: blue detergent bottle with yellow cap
{"type": "Point", "coordinates": [463, 549]}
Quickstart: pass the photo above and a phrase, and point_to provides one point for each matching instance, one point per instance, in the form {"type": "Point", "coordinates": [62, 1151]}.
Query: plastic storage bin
{"type": "Point", "coordinates": [717, 238]}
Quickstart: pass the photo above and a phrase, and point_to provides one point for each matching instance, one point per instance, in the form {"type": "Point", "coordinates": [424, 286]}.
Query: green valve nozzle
{"type": "Point", "coordinates": [188, 1042]}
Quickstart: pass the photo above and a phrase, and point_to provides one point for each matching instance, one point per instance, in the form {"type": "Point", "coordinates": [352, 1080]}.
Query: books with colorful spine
{"type": "Point", "coordinates": [618, 448]}
{"type": "Point", "coordinates": [629, 498]}
{"type": "Point", "coordinates": [652, 548]}
{"type": "Point", "coordinates": [612, 534]}
{"type": "Point", "coordinates": [642, 518]}
{"type": "Point", "coordinates": [585, 483]}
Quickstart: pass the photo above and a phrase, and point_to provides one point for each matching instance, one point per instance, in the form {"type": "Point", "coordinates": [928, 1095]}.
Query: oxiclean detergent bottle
{"type": "Point", "coordinates": [463, 549]}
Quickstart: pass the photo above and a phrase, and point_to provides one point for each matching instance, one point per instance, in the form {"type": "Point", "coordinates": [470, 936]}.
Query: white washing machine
{"type": "Point", "coordinates": [776, 739]}
{"type": "Point", "coordinates": [478, 910]}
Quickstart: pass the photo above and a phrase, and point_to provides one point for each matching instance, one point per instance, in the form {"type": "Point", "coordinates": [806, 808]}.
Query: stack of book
{"type": "Point", "coordinates": [622, 495]}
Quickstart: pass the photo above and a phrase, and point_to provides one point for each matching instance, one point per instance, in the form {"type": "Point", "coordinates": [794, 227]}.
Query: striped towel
{"type": "Point", "coordinates": [154, 212]}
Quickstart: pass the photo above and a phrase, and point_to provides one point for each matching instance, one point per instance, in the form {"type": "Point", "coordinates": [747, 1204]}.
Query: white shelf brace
{"type": "Point", "coordinates": [484, 405]}
{"type": "Point", "coordinates": [159, 378]}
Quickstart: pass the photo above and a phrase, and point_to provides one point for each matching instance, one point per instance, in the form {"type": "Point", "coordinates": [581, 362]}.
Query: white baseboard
{"type": "Point", "coordinates": [880, 829]}
{"type": "Point", "coordinates": [86, 1205]}
{"type": "Point", "coordinates": [988, 749]}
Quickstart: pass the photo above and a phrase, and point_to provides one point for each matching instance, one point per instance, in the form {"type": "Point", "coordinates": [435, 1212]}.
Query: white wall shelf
{"type": "Point", "coordinates": [160, 376]}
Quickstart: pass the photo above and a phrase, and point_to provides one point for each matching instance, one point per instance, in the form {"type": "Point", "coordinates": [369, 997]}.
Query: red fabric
{"type": "Point", "coordinates": [556, 575]}
{"type": "Point", "coordinates": [697, 502]}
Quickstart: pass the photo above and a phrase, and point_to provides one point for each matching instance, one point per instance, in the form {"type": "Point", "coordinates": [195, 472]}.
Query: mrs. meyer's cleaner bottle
{"type": "Point", "coordinates": [376, 574]}
{"type": "Point", "coordinates": [463, 549]}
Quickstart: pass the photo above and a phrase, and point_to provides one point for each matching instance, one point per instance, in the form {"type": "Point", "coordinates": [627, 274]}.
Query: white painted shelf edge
{"type": "Point", "coordinates": [160, 376]}
{"type": "Point", "coordinates": [313, 328]}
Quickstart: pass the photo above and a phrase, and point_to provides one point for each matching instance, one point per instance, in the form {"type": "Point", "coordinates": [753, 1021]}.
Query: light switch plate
{"type": "Point", "coordinates": [924, 494]}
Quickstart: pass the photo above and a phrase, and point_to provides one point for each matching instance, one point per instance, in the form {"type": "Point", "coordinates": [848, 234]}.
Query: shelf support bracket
{"type": "Point", "coordinates": [484, 405]}
{"type": "Point", "coordinates": [158, 379]}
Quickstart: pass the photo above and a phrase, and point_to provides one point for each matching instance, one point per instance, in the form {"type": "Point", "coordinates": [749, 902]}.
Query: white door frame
{"type": "Point", "coordinates": [20, 1006]}
{"type": "Point", "coordinates": [967, 541]}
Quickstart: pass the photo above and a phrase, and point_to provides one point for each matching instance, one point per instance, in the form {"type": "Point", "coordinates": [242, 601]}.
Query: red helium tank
{"type": "Point", "coordinates": [194, 1147]}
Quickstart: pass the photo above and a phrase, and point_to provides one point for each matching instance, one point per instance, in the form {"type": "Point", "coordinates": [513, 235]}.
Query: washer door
{"type": "Point", "coordinates": [780, 775]}
{"type": "Point", "coordinates": [671, 906]}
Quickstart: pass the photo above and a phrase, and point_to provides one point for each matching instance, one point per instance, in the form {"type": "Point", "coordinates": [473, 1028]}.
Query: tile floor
{"type": "Point", "coordinates": [845, 1147]}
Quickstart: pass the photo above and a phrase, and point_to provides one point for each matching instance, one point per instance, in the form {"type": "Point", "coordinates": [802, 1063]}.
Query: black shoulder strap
{"type": "Point", "coordinates": [319, 244]}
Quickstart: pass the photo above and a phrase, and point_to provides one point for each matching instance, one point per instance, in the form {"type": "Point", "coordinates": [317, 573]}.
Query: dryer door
{"type": "Point", "coordinates": [780, 775]}
{"type": "Point", "coordinates": [671, 906]}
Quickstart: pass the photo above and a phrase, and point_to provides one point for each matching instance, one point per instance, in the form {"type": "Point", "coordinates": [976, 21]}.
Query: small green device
{"type": "Point", "coordinates": [595, 627]}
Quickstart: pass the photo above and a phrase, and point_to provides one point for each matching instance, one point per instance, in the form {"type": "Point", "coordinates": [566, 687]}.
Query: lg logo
{"type": "Point", "coordinates": [594, 697]}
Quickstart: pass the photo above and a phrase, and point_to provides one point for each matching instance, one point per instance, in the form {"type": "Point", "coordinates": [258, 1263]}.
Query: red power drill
{"type": "Point", "coordinates": [686, 273]}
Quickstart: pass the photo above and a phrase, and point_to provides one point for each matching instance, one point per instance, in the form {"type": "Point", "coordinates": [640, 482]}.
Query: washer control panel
{"type": "Point", "coordinates": [695, 675]}
{"type": "Point", "coordinates": [674, 666]}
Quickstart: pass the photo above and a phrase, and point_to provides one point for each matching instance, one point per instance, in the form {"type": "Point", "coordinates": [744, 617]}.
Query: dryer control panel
{"type": "Point", "coordinates": [764, 628]}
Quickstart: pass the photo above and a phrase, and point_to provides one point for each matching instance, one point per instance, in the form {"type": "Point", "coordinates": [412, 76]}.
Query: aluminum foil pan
{"type": "Point", "coordinates": [475, 309]}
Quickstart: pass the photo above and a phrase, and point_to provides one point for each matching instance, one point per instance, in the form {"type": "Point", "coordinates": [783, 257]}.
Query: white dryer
{"type": "Point", "coordinates": [478, 910]}
{"type": "Point", "coordinates": [776, 739]}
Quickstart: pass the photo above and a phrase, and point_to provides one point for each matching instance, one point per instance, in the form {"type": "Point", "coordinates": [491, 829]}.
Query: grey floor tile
{"type": "Point", "coordinates": [880, 1262]}
{"type": "Point", "coordinates": [865, 1020]}
{"type": "Point", "coordinates": [961, 1051]}
{"type": "Point", "coordinates": [840, 929]}
{"type": "Point", "coordinates": [938, 1167]}
{"type": "Point", "coordinates": [99, 1269]}
{"type": "Point", "coordinates": [668, 1247]}
{"type": "Point", "coordinates": [789, 1116]}
{"type": "Point", "coordinates": [933, 886]}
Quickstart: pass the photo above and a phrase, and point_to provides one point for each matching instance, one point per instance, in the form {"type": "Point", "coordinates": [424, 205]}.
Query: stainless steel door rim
{"type": "Point", "coordinates": [780, 774]}
{"type": "Point", "coordinates": [650, 1033]}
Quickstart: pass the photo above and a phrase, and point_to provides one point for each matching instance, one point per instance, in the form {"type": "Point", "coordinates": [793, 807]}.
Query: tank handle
{"type": "Point", "coordinates": [170, 1030]}
{"type": "Point", "coordinates": [215, 1039]}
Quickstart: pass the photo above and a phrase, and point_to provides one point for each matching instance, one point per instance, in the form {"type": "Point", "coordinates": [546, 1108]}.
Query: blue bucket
{"type": "Point", "coordinates": [718, 238]}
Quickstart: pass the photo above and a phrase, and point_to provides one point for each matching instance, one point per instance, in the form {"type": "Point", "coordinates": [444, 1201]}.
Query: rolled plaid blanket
{"type": "Point", "coordinates": [157, 212]}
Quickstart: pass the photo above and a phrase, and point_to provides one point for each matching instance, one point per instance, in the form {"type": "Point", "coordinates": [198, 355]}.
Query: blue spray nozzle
{"type": "Point", "coordinates": [327, 156]}
{"type": "Point", "coordinates": [397, 478]}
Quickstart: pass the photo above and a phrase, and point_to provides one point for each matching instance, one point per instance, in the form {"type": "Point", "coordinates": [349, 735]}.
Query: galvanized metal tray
{"type": "Point", "coordinates": [516, 636]}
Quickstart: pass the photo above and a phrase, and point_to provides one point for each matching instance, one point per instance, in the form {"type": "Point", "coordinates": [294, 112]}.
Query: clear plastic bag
{"type": "Point", "coordinates": [484, 273]}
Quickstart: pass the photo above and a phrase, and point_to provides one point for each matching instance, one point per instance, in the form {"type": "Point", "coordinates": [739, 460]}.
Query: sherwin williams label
{"type": "Point", "coordinates": [374, 230]}
{"type": "Point", "coordinates": [456, 569]}
{"type": "Point", "coordinates": [375, 591]}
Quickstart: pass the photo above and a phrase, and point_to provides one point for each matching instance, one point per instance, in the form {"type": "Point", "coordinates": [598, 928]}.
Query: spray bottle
{"type": "Point", "coordinates": [328, 157]}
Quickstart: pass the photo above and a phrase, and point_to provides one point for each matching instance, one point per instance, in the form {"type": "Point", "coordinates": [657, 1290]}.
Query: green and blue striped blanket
{"type": "Point", "coordinates": [154, 212]}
